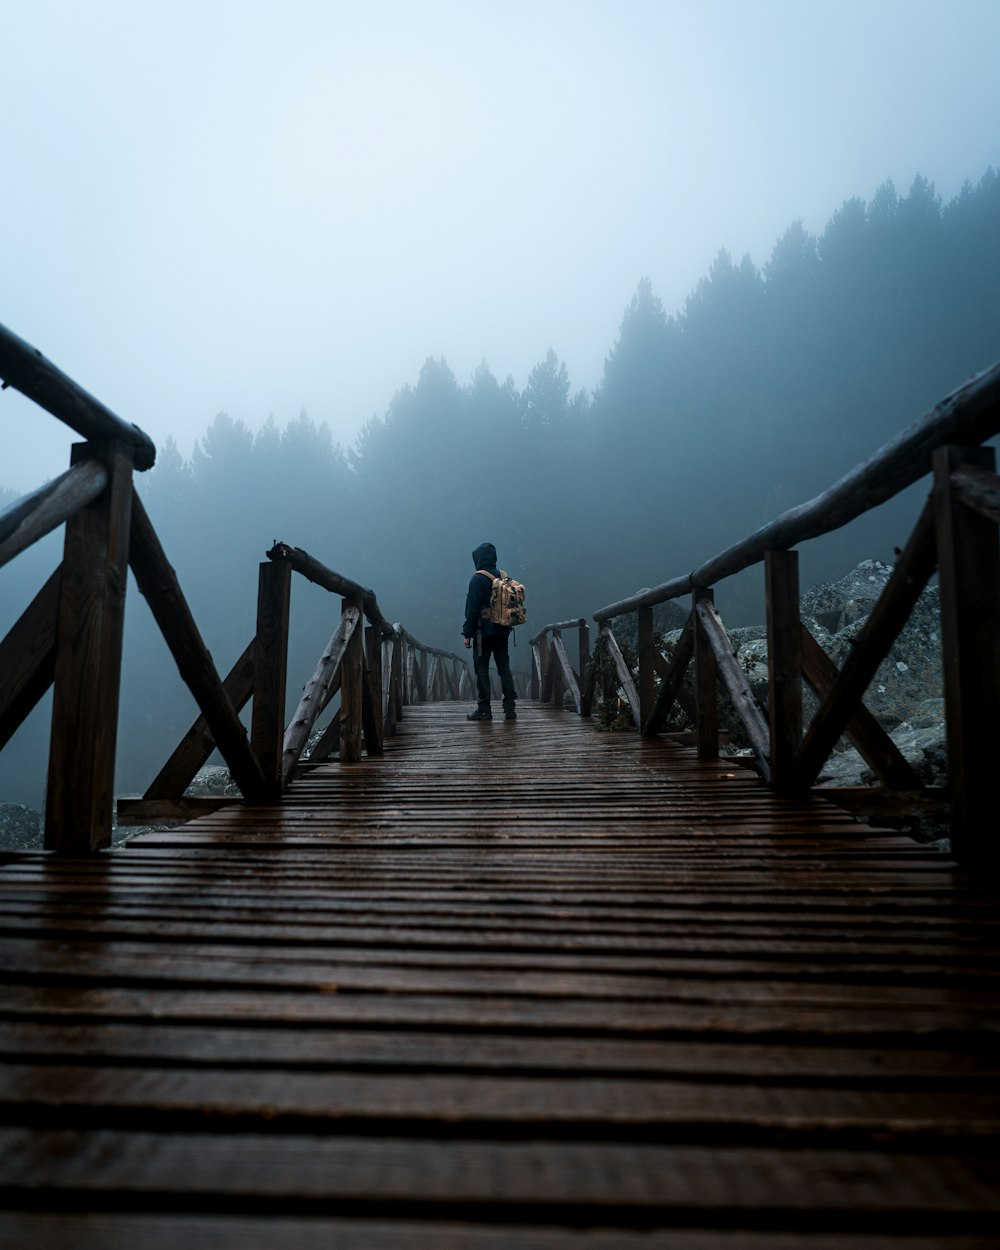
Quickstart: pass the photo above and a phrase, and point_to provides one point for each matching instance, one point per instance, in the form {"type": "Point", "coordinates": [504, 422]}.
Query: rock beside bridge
{"type": "Point", "coordinates": [20, 827]}
{"type": "Point", "coordinates": [906, 695]}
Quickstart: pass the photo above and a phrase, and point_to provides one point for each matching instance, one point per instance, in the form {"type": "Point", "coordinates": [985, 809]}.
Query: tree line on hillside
{"type": "Point", "coordinates": [763, 389]}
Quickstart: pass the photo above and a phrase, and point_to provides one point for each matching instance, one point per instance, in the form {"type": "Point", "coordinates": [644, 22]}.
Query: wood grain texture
{"type": "Point", "coordinates": [523, 984]}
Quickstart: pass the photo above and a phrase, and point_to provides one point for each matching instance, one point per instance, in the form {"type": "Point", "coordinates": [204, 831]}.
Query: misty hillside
{"type": "Point", "coordinates": [767, 385]}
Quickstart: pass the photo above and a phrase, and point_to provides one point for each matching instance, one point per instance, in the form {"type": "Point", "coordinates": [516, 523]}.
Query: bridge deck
{"type": "Point", "coordinates": [513, 982]}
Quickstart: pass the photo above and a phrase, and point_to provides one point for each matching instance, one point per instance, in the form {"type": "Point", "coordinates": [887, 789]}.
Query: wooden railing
{"type": "Point", "coordinates": [70, 637]}
{"type": "Point", "coordinates": [955, 535]}
{"type": "Point", "coordinates": [552, 675]}
{"type": "Point", "coordinates": [377, 670]}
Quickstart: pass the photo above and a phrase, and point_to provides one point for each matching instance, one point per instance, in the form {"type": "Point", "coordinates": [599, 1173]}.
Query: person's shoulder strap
{"type": "Point", "coordinates": [485, 574]}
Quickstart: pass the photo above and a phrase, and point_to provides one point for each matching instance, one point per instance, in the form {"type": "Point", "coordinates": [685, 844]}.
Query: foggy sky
{"type": "Point", "coordinates": [258, 206]}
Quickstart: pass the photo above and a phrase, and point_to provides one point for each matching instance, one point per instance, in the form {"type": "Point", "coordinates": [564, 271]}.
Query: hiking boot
{"type": "Point", "coordinates": [479, 714]}
{"type": "Point", "coordinates": [509, 714]}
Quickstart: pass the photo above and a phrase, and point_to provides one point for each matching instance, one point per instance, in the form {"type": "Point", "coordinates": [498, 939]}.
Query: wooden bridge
{"type": "Point", "coordinates": [511, 984]}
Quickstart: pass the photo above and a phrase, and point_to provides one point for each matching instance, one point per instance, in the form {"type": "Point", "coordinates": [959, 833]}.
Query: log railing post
{"type": "Point", "coordinates": [409, 659]}
{"type": "Point", "coordinates": [81, 785]}
{"type": "Point", "coordinates": [545, 658]}
{"type": "Point", "coordinates": [589, 665]}
{"type": "Point", "coordinates": [969, 571]}
{"type": "Point", "coordinates": [706, 686]}
{"type": "Point", "coordinates": [387, 645]}
{"type": "Point", "coordinates": [784, 665]}
{"type": "Point", "coordinates": [535, 681]}
{"type": "Point", "coordinates": [396, 678]}
{"type": "Point", "coordinates": [647, 671]}
{"type": "Point", "coordinates": [267, 729]}
{"type": "Point", "coordinates": [557, 684]}
{"type": "Point", "coordinates": [373, 718]}
{"type": "Point", "coordinates": [351, 692]}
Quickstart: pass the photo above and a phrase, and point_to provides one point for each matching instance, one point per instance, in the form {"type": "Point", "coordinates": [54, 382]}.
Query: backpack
{"type": "Point", "coordinates": [506, 600]}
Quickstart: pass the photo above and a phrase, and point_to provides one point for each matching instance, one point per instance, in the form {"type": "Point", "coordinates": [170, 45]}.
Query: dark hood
{"type": "Point", "coordinates": [485, 556]}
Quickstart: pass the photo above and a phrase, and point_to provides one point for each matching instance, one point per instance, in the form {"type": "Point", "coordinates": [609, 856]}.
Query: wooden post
{"type": "Point", "coordinates": [267, 731]}
{"type": "Point", "coordinates": [396, 690]}
{"type": "Point", "coordinates": [556, 683]}
{"type": "Point", "coordinates": [81, 786]}
{"type": "Point", "coordinates": [373, 723]}
{"type": "Point", "coordinates": [784, 665]}
{"type": "Point", "coordinates": [317, 693]}
{"type": "Point", "coordinates": [433, 679]}
{"type": "Point", "coordinates": [387, 645]}
{"type": "Point", "coordinates": [706, 687]}
{"type": "Point", "coordinates": [969, 569]}
{"type": "Point", "coordinates": [647, 670]}
{"type": "Point", "coordinates": [588, 671]}
{"type": "Point", "coordinates": [672, 681]}
{"type": "Point", "coordinates": [545, 658]}
{"type": "Point", "coordinates": [351, 695]}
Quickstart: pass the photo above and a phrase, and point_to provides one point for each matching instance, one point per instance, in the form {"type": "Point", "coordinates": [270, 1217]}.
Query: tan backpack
{"type": "Point", "coordinates": [506, 600]}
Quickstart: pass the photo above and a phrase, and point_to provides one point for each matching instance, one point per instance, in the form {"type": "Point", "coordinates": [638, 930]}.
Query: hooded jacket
{"type": "Point", "coordinates": [484, 557]}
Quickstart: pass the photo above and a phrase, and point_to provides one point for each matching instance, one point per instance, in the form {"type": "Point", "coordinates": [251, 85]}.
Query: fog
{"type": "Point", "coordinates": [606, 284]}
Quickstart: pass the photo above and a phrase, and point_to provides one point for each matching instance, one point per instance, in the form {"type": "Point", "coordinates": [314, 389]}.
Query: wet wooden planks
{"type": "Point", "coordinates": [515, 985]}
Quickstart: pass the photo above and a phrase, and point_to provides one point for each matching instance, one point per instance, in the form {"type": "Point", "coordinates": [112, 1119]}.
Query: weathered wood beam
{"type": "Point", "coordinates": [672, 680]}
{"type": "Point", "coordinates": [583, 642]}
{"type": "Point", "coordinates": [31, 518]}
{"type": "Point", "coordinates": [976, 487]}
{"type": "Point", "coordinates": [371, 693]}
{"type": "Point", "coordinates": [706, 687]}
{"type": "Point", "coordinates": [875, 803]}
{"type": "Point", "coordinates": [568, 676]}
{"type": "Point", "coordinates": [267, 726]}
{"type": "Point", "coordinates": [575, 623]}
{"type": "Point", "coordinates": [784, 665]}
{"type": "Point", "coordinates": [891, 612]}
{"type": "Point", "coordinates": [317, 573]}
{"type": "Point", "coordinates": [970, 639]}
{"type": "Point", "coordinates": [555, 668]}
{"type": "Point", "coordinates": [351, 687]}
{"type": "Point", "coordinates": [316, 690]}
{"type": "Point", "coordinates": [158, 583]}
{"type": "Point", "coordinates": [28, 371]}
{"type": "Point", "coordinates": [198, 743]}
{"type": "Point", "coordinates": [863, 730]}
{"type": "Point", "coordinates": [610, 642]}
{"type": "Point", "coordinates": [177, 811]}
{"type": "Point", "coordinates": [646, 649]}
{"type": "Point", "coordinates": [28, 658]}
{"type": "Point", "coordinates": [735, 681]}
{"type": "Point", "coordinates": [589, 687]}
{"type": "Point", "coordinates": [967, 416]}
{"type": "Point", "coordinates": [396, 679]}
{"type": "Point", "coordinates": [535, 686]}
{"type": "Point", "coordinates": [80, 797]}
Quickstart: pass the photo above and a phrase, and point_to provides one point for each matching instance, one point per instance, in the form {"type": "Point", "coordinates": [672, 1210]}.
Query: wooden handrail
{"type": "Point", "coordinates": [28, 371]}
{"type": "Point", "coordinates": [955, 534]}
{"type": "Point", "coordinates": [547, 629]}
{"type": "Point", "coordinates": [317, 573]}
{"type": "Point", "coordinates": [968, 416]}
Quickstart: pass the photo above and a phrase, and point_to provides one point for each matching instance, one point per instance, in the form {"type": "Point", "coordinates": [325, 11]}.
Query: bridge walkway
{"type": "Point", "coordinates": [515, 985]}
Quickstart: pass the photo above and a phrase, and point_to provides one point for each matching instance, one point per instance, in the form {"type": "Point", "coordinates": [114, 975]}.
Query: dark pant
{"type": "Point", "coordinates": [495, 645]}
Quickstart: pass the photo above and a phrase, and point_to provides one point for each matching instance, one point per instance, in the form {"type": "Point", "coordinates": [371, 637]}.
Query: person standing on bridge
{"type": "Point", "coordinates": [486, 637]}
